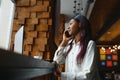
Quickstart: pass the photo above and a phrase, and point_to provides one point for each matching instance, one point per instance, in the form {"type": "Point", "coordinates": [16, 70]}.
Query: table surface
{"type": "Point", "coordinates": [14, 66]}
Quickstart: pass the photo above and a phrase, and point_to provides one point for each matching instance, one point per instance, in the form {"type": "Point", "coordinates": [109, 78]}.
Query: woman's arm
{"type": "Point", "coordinates": [88, 62]}
{"type": "Point", "coordinates": [59, 56]}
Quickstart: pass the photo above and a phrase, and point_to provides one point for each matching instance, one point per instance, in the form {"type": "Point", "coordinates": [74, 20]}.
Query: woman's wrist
{"type": "Point", "coordinates": [57, 71]}
{"type": "Point", "coordinates": [63, 43]}
{"type": "Point", "coordinates": [54, 63]}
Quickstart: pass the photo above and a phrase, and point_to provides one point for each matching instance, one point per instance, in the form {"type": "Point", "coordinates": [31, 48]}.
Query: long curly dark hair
{"type": "Point", "coordinates": [85, 34]}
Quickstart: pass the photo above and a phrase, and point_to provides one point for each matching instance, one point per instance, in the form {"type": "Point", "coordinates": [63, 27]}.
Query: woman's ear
{"type": "Point", "coordinates": [79, 27]}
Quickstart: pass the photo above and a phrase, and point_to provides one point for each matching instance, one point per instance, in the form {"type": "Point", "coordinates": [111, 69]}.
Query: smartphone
{"type": "Point", "coordinates": [67, 34]}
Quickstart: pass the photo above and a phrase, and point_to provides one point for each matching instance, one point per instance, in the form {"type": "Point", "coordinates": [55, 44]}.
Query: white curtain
{"type": "Point", "coordinates": [6, 20]}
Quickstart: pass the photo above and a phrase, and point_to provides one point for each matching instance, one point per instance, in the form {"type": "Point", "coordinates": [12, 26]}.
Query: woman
{"type": "Point", "coordinates": [77, 51]}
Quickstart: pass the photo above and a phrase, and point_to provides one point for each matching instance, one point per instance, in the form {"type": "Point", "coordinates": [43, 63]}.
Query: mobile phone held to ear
{"type": "Point", "coordinates": [67, 34]}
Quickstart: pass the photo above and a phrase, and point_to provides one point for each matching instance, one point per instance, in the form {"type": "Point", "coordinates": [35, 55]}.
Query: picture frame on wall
{"type": "Point", "coordinates": [108, 57]}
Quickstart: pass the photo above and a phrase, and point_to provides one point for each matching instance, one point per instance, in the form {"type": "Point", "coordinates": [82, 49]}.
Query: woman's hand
{"type": "Point", "coordinates": [57, 72]}
{"type": "Point", "coordinates": [67, 36]}
{"type": "Point", "coordinates": [65, 39]}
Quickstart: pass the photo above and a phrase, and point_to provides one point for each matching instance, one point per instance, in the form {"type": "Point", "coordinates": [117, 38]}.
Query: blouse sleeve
{"type": "Point", "coordinates": [88, 64]}
{"type": "Point", "coordinates": [59, 56]}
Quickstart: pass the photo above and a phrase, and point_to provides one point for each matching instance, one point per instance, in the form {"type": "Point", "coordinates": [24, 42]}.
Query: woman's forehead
{"type": "Point", "coordinates": [73, 21]}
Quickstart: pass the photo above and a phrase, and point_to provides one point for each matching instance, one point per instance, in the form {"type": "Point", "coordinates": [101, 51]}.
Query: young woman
{"type": "Point", "coordinates": [77, 51]}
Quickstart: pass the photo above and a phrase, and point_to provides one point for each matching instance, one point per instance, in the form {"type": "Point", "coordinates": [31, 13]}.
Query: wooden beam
{"type": "Point", "coordinates": [108, 24]}
{"type": "Point", "coordinates": [105, 27]}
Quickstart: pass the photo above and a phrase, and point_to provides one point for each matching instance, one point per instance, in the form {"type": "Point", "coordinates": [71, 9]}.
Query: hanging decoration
{"type": "Point", "coordinates": [77, 7]}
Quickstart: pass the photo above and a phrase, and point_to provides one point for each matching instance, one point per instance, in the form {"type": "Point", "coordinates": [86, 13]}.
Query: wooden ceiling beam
{"type": "Point", "coordinates": [108, 24]}
{"type": "Point", "coordinates": [105, 27]}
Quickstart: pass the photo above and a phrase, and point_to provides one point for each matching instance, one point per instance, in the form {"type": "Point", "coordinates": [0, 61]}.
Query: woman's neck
{"type": "Point", "coordinates": [77, 37]}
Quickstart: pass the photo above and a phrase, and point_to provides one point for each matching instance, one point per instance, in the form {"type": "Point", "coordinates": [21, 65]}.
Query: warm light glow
{"type": "Point", "coordinates": [119, 47]}
{"type": "Point", "coordinates": [108, 32]}
{"type": "Point", "coordinates": [109, 56]}
{"type": "Point", "coordinates": [109, 47]}
{"type": "Point", "coordinates": [115, 45]}
{"type": "Point", "coordinates": [103, 48]}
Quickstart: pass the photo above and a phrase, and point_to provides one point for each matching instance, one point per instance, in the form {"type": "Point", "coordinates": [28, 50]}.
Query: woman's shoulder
{"type": "Point", "coordinates": [91, 42]}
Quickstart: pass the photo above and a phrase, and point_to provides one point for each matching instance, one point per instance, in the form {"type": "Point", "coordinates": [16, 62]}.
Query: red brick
{"type": "Point", "coordinates": [23, 14]}
{"type": "Point", "coordinates": [42, 28]}
{"type": "Point", "coordinates": [33, 2]}
{"type": "Point", "coordinates": [39, 8]}
{"type": "Point", "coordinates": [46, 3]}
{"type": "Point", "coordinates": [41, 40]}
{"type": "Point", "coordinates": [28, 47]}
{"type": "Point", "coordinates": [29, 27]}
{"type": "Point", "coordinates": [23, 9]}
{"type": "Point", "coordinates": [31, 34]}
{"type": "Point", "coordinates": [43, 15]}
{"type": "Point", "coordinates": [39, 2]}
{"type": "Point", "coordinates": [39, 47]}
{"type": "Point", "coordinates": [49, 21]}
{"type": "Point", "coordinates": [16, 27]}
{"type": "Point", "coordinates": [43, 21]}
{"type": "Point", "coordinates": [32, 21]}
{"type": "Point", "coordinates": [42, 34]}
{"type": "Point", "coordinates": [21, 20]}
{"type": "Point", "coordinates": [28, 40]}
{"type": "Point", "coordinates": [33, 15]}
{"type": "Point", "coordinates": [22, 3]}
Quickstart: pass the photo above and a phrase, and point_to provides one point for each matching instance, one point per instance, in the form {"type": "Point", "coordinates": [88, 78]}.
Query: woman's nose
{"type": "Point", "coordinates": [68, 27]}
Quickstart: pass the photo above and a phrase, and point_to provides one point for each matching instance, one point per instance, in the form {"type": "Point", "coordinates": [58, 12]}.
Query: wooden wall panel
{"type": "Point", "coordinates": [36, 16]}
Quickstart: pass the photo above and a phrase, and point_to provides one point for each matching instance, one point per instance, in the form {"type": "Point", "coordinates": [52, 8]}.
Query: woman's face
{"type": "Point", "coordinates": [73, 27]}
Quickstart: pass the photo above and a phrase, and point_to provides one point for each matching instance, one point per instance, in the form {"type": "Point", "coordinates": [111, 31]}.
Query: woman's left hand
{"type": "Point", "coordinates": [57, 71]}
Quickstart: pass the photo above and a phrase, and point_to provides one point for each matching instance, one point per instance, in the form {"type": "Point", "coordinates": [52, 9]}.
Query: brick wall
{"type": "Point", "coordinates": [36, 16]}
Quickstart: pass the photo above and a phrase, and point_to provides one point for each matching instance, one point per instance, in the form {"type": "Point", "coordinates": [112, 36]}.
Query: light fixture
{"type": "Point", "coordinates": [77, 7]}
{"type": "Point", "coordinates": [119, 47]}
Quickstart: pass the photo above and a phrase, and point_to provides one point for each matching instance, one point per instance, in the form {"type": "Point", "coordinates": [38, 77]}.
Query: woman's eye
{"type": "Point", "coordinates": [70, 23]}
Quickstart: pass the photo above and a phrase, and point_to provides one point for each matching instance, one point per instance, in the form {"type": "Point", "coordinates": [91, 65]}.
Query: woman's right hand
{"type": "Point", "coordinates": [67, 36]}
{"type": "Point", "coordinates": [65, 39]}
